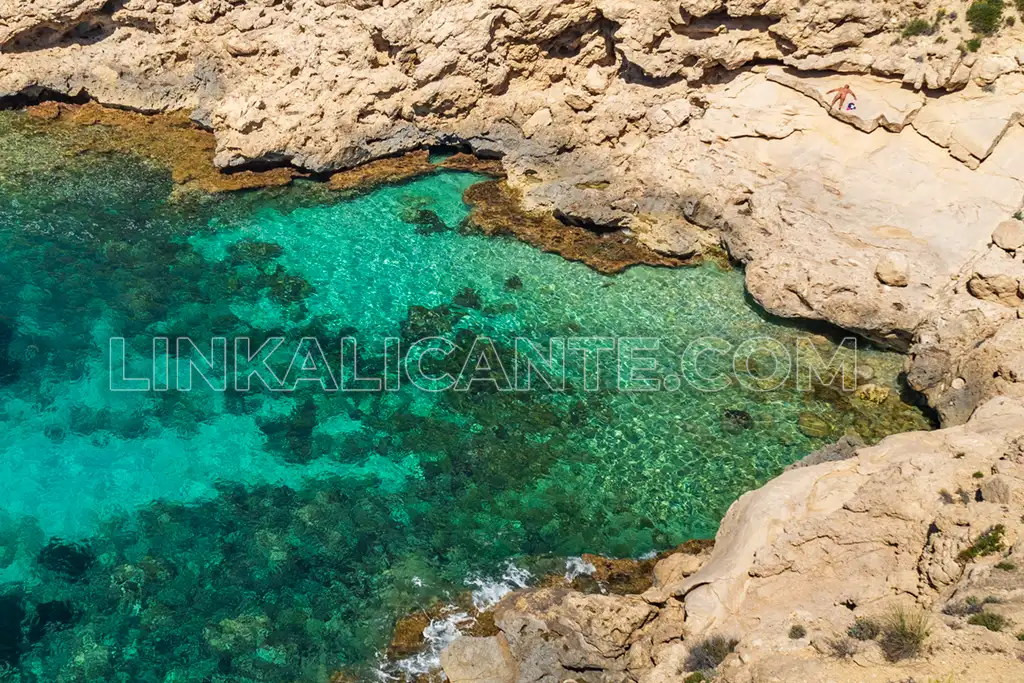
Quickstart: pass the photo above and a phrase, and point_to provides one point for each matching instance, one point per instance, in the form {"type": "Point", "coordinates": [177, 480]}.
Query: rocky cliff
{"type": "Point", "coordinates": [681, 124]}
{"type": "Point", "coordinates": [677, 126]}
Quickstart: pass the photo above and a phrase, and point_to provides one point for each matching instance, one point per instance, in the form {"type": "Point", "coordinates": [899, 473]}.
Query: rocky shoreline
{"type": "Point", "coordinates": [655, 132]}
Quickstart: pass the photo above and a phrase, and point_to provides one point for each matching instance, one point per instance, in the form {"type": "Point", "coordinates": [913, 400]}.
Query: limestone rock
{"type": "Point", "coordinates": [989, 68]}
{"type": "Point", "coordinates": [540, 119]}
{"type": "Point", "coordinates": [1009, 235]}
{"type": "Point", "coordinates": [479, 660]}
{"type": "Point", "coordinates": [999, 287]}
{"type": "Point", "coordinates": [970, 123]}
{"type": "Point", "coordinates": [893, 270]}
{"type": "Point", "coordinates": [873, 103]}
{"type": "Point", "coordinates": [997, 489]}
{"type": "Point", "coordinates": [665, 117]}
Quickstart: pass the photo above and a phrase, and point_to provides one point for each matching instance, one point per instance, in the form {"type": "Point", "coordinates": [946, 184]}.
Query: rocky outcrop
{"type": "Point", "coordinates": [666, 128]}
{"type": "Point", "coordinates": [645, 131]}
{"type": "Point", "coordinates": [922, 521]}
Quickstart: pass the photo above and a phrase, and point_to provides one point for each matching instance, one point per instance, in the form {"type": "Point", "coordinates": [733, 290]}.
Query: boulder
{"type": "Point", "coordinates": [1009, 235]}
{"type": "Point", "coordinates": [479, 660]}
{"type": "Point", "coordinates": [892, 270]}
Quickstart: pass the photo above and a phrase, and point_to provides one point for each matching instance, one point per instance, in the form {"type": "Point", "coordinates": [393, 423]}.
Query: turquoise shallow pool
{"type": "Point", "coordinates": [262, 536]}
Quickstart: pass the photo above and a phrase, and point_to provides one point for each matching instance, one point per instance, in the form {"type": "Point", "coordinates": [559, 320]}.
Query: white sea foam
{"type": "Point", "coordinates": [440, 633]}
{"type": "Point", "coordinates": [489, 592]}
{"type": "Point", "coordinates": [576, 567]}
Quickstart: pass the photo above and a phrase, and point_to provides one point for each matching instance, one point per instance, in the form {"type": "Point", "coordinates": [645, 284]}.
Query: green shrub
{"type": "Point", "coordinates": [990, 620]}
{"type": "Point", "coordinates": [1006, 566]}
{"type": "Point", "coordinates": [796, 632]}
{"type": "Point", "coordinates": [710, 652]}
{"type": "Point", "coordinates": [974, 44]}
{"type": "Point", "coordinates": [904, 633]}
{"type": "Point", "coordinates": [978, 475]}
{"type": "Point", "coordinates": [984, 16]}
{"type": "Point", "coordinates": [864, 629]}
{"type": "Point", "coordinates": [1020, 636]}
{"type": "Point", "coordinates": [988, 543]}
{"type": "Point", "coordinates": [696, 677]}
{"type": "Point", "coordinates": [918, 27]}
{"type": "Point", "coordinates": [1020, 214]}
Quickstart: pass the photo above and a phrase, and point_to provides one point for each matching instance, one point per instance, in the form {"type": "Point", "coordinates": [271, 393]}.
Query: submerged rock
{"type": "Point", "coordinates": [426, 221]}
{"type": "Point", "coordinates": [736, 420]}
{"type": "Point", "coordinates": [50, 616]}
{"type": "Point", "coordinates": [72, 560]}
{"type": "Point", "coordinates": [872, 393]}
{"type": "Point", "coordinates": [12, 615]}
{"type": "Point", "coordinates": [497, 211]}
{"type": "Point", "coordinates": [467, 298]}
{"type": "Point", "coordinates": [813, 426]}
{"type": "Point", "coordinates": [169, 138]}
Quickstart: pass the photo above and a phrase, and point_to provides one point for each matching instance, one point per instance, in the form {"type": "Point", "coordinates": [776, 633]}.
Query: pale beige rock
{"type": "Point", "coordinates": [989, 68]}
{"type": "Point", "coordinates": [876, 102]}
{"type": "Point", "coordinates": [893, 270]}
{"type": "Point", "coordinates": [1009, 235]}
{"type": "Point", "coordinates": [997, 489]}
{"type": "Point", "coordinates": [479, 660]}
{"type": "Point", "coordinates": [540, 119]}
{"type": "Point", "coordinates": [973, 120]}
{"type": "Point", "coordinates": [665, 117]}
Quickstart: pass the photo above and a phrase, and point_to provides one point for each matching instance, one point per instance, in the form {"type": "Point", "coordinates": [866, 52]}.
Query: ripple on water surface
{"type": "Point", "coordinates": [276, 536]}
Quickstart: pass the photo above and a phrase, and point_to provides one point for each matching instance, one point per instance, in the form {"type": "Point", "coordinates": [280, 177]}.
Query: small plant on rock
{"type": "Point", "coordinates": [1020, 636]}
{"type": "Point", "coordinates": [904, 633]}
{"type": "Point", "coordinates": [1006, 566]}
{"type": "Point", "coordinates": [843, 647]}
{"type": "Point", "coordinates": [973, 45]}
{"type": "Point", "coordinates": [978, 475]}
{"type": "Point", "coordinates": [710, 652]}
{"type": "Point", "coordinates": [990, 620]}
{"type": "Point", "coordinates": [695, 677]}
{"type": "Point", "coordinates": [985, 16]}
{"type": "Point", "coordinates": [988, 543]}
{"type": "Point", "coordinates": [962, 609]}
{"type": "Point", "coordinates": [864, 629]}
{"type": "Point", "coordinates": [796, 632]}
{"type": "Point", "coordinates": [918, 27]}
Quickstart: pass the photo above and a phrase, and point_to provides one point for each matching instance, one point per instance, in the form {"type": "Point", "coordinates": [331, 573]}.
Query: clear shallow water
{"type": "Point", "coordinates": [210, 536]}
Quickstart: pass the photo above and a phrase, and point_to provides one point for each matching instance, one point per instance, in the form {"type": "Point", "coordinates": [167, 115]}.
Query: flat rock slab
{"type": "Point", "coordinates": [971, 122]}
{"type": "Point", "coordinates": [876, 103]}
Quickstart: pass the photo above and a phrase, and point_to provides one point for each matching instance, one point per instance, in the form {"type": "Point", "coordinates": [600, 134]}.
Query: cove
{"type": "Point", "coordinates": [261, 536]}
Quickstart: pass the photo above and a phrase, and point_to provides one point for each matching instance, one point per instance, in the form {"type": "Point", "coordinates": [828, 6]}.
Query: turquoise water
{"type": "Point", "coordinates": [264, 536]}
